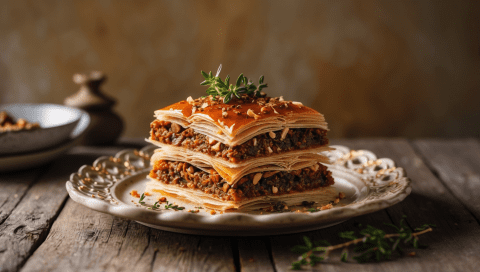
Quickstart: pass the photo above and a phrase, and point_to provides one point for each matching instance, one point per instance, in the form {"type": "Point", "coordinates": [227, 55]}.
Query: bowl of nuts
{"type": "Point", "coordinates": [27, 128]}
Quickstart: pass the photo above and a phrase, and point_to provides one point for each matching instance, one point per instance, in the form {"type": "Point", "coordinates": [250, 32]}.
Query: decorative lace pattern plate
{"type": "Point", "coordinates": [370, 184]}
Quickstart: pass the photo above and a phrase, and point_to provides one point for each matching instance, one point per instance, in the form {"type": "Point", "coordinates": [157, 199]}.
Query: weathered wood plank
{"type": "Point", "coordinates": [452, 246]}
{"type": "Point", "coordinates": [26, 227]}
{"type": "Point", "coordinates": [254, 254]}
{"type": "Point", "coordinates": [82, 239]}
{"type": "Point", "coordinates": [14, 185]}
{"type": "Point", "coordinates": [283, 257]}
{"type": "Point", "coordinates": [457, 163]}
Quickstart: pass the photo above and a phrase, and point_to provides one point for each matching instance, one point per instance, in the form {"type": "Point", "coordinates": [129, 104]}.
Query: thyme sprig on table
{"type": "Point", "coordinates": [228, 91]}
{"type": "Point", "coordinates": [374, 245]}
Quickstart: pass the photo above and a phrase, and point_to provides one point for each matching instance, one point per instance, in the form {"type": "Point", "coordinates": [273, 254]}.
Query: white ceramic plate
{"type": "Point", "coordinates": [370, 184]}
{"type": "Point", "coordinates": [16, 162]}
{"type": "Point", "coordinates": [57, 124]}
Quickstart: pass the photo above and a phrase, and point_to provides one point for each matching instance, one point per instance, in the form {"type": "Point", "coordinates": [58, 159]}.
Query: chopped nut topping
{"type": "Point", "coordinates": [315, 167]}
{"type": "Point", "coordinates": [194, 109]}
{"type": "Point", "coordinates": [190, 100]}
{"type": "Point", "coordinates": [264, 110]}
{"type": "Point", "coordinates": [284, 133]}
{"type": "Point", "coordinates": [281, 99]}
{"type": "Point", "coordinates": [297, 103]}
{"type": "Point", "coordinates": [204, 105]}
{"type": "Point", "coordinates": [224, 114]}
{"type": "Point", "coordinates": [257, 178]}
{"type": "Point", "coordinates": [272, 134]}
{"type": "Point", "coordinates": [252, 114]}
{"type": "Point", "coordinates": [274, 189]}
{"type": "Point", "coordinates": [269, 149]}
{"type": "Point", "coordinates": [254, 141]}
{"type": "Point", "coordinates": [276, 112]}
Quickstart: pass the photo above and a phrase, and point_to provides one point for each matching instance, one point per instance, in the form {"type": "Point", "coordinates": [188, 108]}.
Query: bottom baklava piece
{"type": "Point", "coordinates": [273, 183]}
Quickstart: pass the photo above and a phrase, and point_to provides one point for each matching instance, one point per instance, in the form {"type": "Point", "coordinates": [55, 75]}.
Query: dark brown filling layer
{"type": "Point", "coordinates": [260, 146]}
{"type": "Point", "coordinates": [271, 183]}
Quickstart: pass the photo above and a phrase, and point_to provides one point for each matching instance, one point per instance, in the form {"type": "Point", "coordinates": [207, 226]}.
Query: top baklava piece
{"type": "Point", "coordinates": [238, 148]}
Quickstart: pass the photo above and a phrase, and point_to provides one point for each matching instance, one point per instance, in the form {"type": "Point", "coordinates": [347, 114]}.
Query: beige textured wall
{"type": "Point", "coordinates": [374, 68]}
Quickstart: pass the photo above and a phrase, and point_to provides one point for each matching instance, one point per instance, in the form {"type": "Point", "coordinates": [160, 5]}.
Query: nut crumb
{"type": "Point", "coordinates": [134, 193]}
{"type": "Point", "coordinates": [284, 133]}
{"type": "Point", "coordinates": [257, 178]}
{"type": "Point", "coordinates": [272, 134]}
{"type": "Point", "coordinates": [252, 114]}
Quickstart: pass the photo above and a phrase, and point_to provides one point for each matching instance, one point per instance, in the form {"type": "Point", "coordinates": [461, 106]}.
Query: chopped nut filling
{"type": "Point", "coordinates": [253, 185]}
{"type": "Point", "coordinates": [260, 146]}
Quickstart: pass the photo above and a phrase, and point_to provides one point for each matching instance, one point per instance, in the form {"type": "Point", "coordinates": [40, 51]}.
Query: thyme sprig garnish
{"type": "Point", "coordinates": [156, 206]}
{"type": "Point", "coordinates": [173, 207]}
{"type": "Point", "coordinates": [142, 197]}
{"type": "Point", "coordinates": [228, 91]}
{"type": "Point", "coordinates": [374, 245]}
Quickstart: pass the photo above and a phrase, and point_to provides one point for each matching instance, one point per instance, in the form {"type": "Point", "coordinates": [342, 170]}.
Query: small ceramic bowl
{"type": "Point", "coordinates": [57, 124]}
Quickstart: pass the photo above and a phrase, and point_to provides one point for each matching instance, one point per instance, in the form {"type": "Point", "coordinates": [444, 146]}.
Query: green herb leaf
{"type": "Point", "coordinates": [228, 91]}
{"type": "Point", "coordinates": [344, 255]}
{"type": "Point", "coordinates": [142, 197]}
{"type": "Point", "coordinates": [374, 246]}
{"type": "Point", "coordinates": [308, 242]}
{"type": "Point", "coordinates": [239, 80]}
{"type": "Point", "coordinates": [300, 249]}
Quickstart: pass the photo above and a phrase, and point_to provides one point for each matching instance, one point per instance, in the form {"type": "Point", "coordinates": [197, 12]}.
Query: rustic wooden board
{"type": "Point", "coordinates": [82, 239]}
{"type": "Point", "coordinates": [23, 231]}
{"type": "Point", "coordinates": [254, 254]}
{"type": "Point", "coordinates": [453, 245]}
{"type": "Point", "coordinates": [14, 185]}
{"type": "Point", "coordinates": [457, 164]}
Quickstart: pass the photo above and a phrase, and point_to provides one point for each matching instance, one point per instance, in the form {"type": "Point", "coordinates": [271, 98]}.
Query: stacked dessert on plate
{"type": "Point", "coordinates": [238, 149]}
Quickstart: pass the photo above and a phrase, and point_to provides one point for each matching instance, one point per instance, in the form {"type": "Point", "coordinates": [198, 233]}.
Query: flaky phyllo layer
{"type": "Point", "coordinates": [239, 155]}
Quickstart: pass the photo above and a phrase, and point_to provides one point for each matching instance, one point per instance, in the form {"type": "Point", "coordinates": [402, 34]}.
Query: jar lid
{"type": "Point", "coordinates": [89, 96]}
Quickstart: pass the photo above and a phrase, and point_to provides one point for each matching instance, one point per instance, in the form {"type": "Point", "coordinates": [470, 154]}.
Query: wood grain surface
{"type": "Point", "coordinates": [41, 229]}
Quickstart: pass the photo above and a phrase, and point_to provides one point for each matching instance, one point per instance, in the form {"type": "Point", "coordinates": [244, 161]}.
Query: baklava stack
{"type": "Point", "coordinates": [252, 152]}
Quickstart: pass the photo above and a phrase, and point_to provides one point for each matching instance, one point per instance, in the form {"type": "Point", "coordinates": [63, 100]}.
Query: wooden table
{"type": "Point", "coordinates": [41, 229]}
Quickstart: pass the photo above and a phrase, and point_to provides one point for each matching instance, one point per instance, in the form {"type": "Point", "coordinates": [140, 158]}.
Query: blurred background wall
{"type": "Point", "coordinates": [374, 68]}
